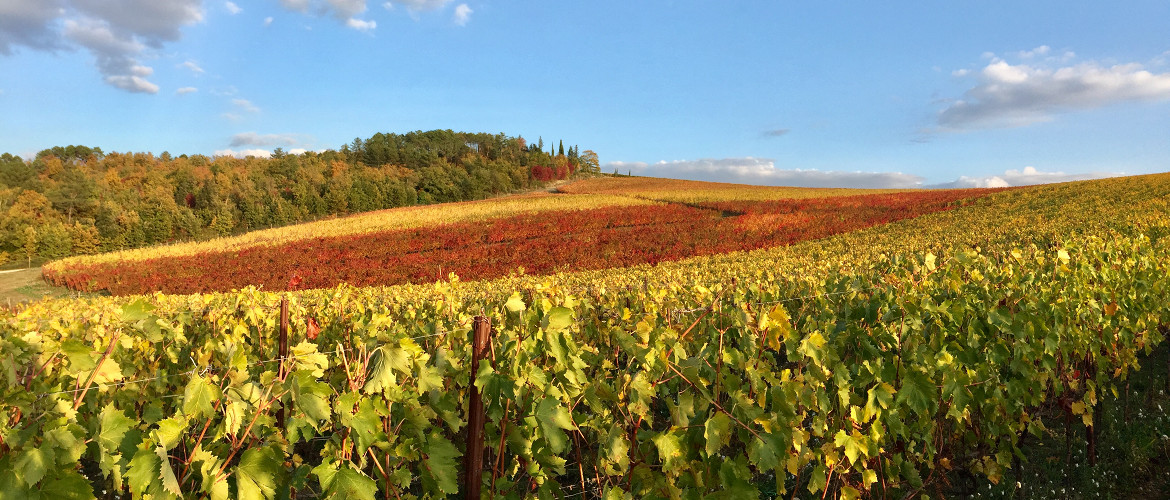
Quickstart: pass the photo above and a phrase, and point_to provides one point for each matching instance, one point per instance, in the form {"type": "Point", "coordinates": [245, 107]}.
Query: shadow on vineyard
{"type": "Point", "coordinates": [1133, 448]}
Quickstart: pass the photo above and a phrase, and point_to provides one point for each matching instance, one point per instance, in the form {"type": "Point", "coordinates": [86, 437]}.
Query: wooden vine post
{"type": "Point", "coordinates": [473, 461]}
{"type": "Point", "coordinates": [282, 353]}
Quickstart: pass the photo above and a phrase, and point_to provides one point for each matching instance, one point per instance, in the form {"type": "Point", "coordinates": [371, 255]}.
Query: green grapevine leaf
{"type": "Point", "coordinates": [114, 424]}
{"type": "Point", "coordinates": [617, 448]}
{"type": "Point", "coordinates": [553, 417]}
{"type": "Point", "coordinates": [429, 378]}
{"type": "Point", "coordinates": [855, 444]}
{"type": "Point", "coordinates": [717, 432]}
{"type": "Point", "coordinates": [80, 356]}
{"type": "Point", "coordinates": [557, 319]}
{"type": "Point", "coordinates": [918, 392]}
{"type": "Point", "coordinates": [170, 431]}
{"type": "Point", "coordinates": [166, 474]}
{"type": "Point", "coordinates": [312, 397]}
{"type": "Point", "coordinates": [307, 357]}
{"type": "Point", "coordinates": [108, 371]}
{"type": "Point", "coordinates": [68, 486]}
{"type": "Point", "coordinates": [256, 473]}
{"type": "Point", "coordinates": [380, 375]}
{"type": "Point", "coordinates": [145, 471]}
{"type": "Point", "coordinates": [670, 449]}
{"type": "Point", "coordinates": [137, 311]}
{"type": "Point", "coordinates": [71, 445]}
{"type": "Point", "coordinates": [366, 425]}
{"type": "Point", "coordinates": [878, 395]}
{"type": "Point", "coordinates": [440, 472]}
{"type": "Point", "coordinates": [32, 463]}
{"type": "Point", "coordinates": [198, 397]}
{"type": "Point", "coordinates": [349, 484]}
{"type": "Point", "coordinates": [214, 485]}
{"type": "Point", "coordinates": [515, 303]}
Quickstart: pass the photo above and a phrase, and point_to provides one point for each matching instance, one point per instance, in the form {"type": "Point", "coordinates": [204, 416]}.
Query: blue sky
{"type": "Point", "coordinates": [895, 94]}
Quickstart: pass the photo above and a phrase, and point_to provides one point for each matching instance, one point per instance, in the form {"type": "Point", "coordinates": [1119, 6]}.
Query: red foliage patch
{"type": "Point", "coordinates": [541, 243]}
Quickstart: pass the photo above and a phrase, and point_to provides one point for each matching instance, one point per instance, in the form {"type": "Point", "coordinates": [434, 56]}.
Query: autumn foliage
{"type": "Point", "coordinates": [539, 243]}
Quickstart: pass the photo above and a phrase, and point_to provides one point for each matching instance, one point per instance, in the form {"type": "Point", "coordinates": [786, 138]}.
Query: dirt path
{"type": "Point", "coordinates": [26, 285]}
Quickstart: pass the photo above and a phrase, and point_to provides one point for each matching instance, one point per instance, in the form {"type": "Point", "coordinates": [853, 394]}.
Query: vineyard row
{"type": "Point", "coordinates": [876, 381]}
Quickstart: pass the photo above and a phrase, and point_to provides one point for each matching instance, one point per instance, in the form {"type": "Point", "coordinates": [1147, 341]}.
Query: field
{"type": "Point", "coordinates": [485, 240]}
{"type": "Point", "coordinates": [665, 339]}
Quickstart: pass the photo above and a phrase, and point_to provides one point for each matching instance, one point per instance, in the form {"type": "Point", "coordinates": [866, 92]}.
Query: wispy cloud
{"type": "Point", "coordinates": [345, 11]}
{"type": "Point", "coordinates": [245, 105]}
{"type": "Point", "coordinates": [416, 5]}
{"type": "Point", "coordinates": [1013, 95]}
{"type": "Point", "coordinates": [295, 5]}
{"type": "Point", "coordinates": [193, 66]}
{"type": "Point", "coordinates": [1025, 177]}
{"type": "Point", "coordinates": [255, 139]}
{"type": "Point", "coordinates": [361, 25]}
{"type": "Point", "coordinates": [463, 14]}
{"type": "Point", "coordinates": [779, 132]}
{"type": "Point", "coordinates": [232, 8]}
{"type": "Point", "coordinates": [186, 90]}
{"type": "Point", "coordinates": [244, 153]}
{"type": "Point", "coordinates": [763, 171]}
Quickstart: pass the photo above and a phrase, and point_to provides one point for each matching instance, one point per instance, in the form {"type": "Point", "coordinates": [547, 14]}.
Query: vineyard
{"type": "Point", "coordinates": [843, 345]}
{"type": "Point", "coordinates": [540, 243]}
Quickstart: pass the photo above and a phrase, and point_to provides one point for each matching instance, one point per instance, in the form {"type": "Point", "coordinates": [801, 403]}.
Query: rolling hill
{"type": "Point", "coordinates": [664, 339]}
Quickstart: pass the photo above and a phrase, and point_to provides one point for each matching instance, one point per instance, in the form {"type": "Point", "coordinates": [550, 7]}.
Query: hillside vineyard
{"type": "Point", "coordinates": [781, 342]}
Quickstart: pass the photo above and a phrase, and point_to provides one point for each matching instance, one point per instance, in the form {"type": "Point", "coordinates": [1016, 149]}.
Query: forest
{"type": "Point", "coordinates": [75, 200]}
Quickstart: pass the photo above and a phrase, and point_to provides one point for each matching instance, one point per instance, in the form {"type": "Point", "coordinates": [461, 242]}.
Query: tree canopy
{"type": "Point", "coordinates": [79, 199]}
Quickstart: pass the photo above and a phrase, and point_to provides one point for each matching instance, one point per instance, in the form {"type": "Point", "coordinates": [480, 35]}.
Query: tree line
{"type": "Point", "coordinates": [74, 200]}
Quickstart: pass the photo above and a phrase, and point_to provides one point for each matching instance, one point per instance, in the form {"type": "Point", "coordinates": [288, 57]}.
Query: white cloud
{"type": "Point", "coordinates": [763, 171]}
{"type": "Point", "coordinates": [228, 91]}
{"type": "Point", "coordinates": [1162, 59]}
{"type": "Point", "coordinates": [132, 83]}
{"type": "Point", "coordinates": [463, 14]}
{"type": "Point", "coordinates": [232, 117]}
{"type": "Point", "coordinates": [244, 153]}
{"type": "Point", "coordinates": [295, 5]}
{"type": "Point", "coordinates": [245, 105]}
{"type": "Point", "coordinates": [233, 8]}
{"type": "Point", "coordinates": [1038, 51]}
{"type": "Point", "coordinates": [116, 33]}
{"type": "Point", "coordinates": [417, 5]}
{"type": "Point", "coordinates": [361, 25]}
{"type": "Point", "coordinates": [1025, 177]}
{"type": "Point", "coordinates": [344, 11]}
{"type": "Point", "coordinates": [347, 9]}
{"type": "Point", "coordinates": [115, 54]}
{"type": "Point", "coordinates": [154, 21]}
{"type": "Point", "coordinates": [778, 132]}
{"type": "Point", "coordinates": [1007, 95]}
{"type": "Point", "coordinates": [268, 21]}
{"type": "Point", "coordinates": [29, 24]}
{"type": "Point", "coordinates": [193, 66]}
{"type": "Point", "coordinates": [254, 139]}
{"type": "Point", "coordinates": [186, 90]}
